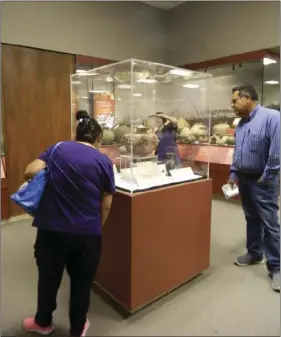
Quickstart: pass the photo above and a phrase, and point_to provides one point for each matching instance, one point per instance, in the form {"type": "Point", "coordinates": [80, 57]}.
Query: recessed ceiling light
{"type": "Point", "coordinates": [267, 61]}
{"type": "Point", "coordinates": [191, 86]}
{"type": "Point", "coordinates": [271, 82]}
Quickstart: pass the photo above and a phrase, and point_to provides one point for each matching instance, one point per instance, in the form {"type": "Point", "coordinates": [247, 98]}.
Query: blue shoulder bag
{"type": "Point", "coordinates": [28, 196]}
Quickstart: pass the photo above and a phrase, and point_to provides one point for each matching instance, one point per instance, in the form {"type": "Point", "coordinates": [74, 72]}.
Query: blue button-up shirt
{"type": "Point", "coordinates": [257, 145]}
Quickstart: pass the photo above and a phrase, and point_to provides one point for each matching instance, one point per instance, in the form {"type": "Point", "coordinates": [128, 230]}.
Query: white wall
{"type": "Point", "coordinates": [204, 30]}
{"type": "Point", "coordinates": [111, 30]}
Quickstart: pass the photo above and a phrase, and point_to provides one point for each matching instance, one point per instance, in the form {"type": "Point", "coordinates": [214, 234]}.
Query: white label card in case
{"type": "Point", "coordinates": [183, 173]}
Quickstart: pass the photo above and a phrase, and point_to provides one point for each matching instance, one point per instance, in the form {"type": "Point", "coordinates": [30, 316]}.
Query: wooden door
{"type": "Point", "coordinates": [36, 104]}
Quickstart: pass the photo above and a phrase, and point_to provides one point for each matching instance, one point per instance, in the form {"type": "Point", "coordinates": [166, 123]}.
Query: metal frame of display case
{"type": "Point", "coordinates": [221, 157]}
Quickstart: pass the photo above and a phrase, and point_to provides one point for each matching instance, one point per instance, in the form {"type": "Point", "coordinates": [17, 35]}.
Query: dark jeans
{"type": "Point", "coordinates": [260, 205]}
{"type": "Point", "coordinates": [80, 255]}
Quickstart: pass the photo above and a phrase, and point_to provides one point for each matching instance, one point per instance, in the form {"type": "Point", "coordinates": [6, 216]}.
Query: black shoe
{"type": "Point", "coordinates": [247, 260]}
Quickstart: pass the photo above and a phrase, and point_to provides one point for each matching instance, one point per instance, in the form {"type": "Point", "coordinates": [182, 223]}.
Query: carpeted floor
{"type": "Point", "coordinates": [224, 301]}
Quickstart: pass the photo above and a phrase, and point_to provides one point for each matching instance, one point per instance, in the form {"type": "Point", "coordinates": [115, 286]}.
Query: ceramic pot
{"type": "Point", "coordinates": [230, 140]}
{"type": "Point", "coordinates": [221, 129]}
{"type": "Point", "coordinates": [222, 141]}
{"type": "Point", "coordinates": [184, 134]}
{"type": "Point", "coordinates": [199, 130]}
{"type": "Point", "coordinates": [141, 142]}
{"type": "Point", "coordinates": [182, 123]}
{"type": "Point", "coordinates": [108, 136]}
{"type": "Point", "coordinates": [120, 130]}
{"type": "Point", "coordinates": [203, 139]}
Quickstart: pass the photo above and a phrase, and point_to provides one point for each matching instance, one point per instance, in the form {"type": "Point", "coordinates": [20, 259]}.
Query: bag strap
{"type": "Point", "coordinates": [52, 153]}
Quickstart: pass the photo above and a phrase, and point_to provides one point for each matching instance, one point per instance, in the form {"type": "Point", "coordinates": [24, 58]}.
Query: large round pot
{"type": "Point", "coordinates": [199, 130]}
{"type": "Point", "coordinates": [120, 130]}
{"type": "Point", "coordinates": [184, 134]}
{"type": "Point", "coordinates": [182, 123]}
{"type": "Point", "coordinates": [108, 136]}
{"type": "Point", "coordinates": [141, 142]}
{"type": "Point", "coordinates": [221, 129]}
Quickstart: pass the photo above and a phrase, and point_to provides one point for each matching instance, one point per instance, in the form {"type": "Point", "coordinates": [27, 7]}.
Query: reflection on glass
{"type": "Point", "coordinates": [148, 111]}
{"type": "Point", "coordinates": [271, 85]}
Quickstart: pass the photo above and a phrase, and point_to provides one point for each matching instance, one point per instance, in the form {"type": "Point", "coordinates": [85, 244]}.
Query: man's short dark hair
{"type": "Point", "coordinates": [246, 90]}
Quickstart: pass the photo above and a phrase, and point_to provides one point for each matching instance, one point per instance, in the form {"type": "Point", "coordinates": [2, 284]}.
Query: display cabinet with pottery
{"type": "Point", "coordinates": [142, 142]}
{"type": "Point", "coordinates": [200, 132]}
{"type": "Point", "coordinates": [108, 136]}
{"type": "Point", "coordinates": [120, 130]}
{"type": "Point", "coordinates": [219, 133]}
{"type": "Point", "coordinates": [182, 123]}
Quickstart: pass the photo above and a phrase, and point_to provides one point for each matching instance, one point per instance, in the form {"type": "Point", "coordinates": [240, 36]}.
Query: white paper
{"type": "Point", "coordinates": [183, 173]}
{"type": "Point", "coordinates": [230, 192]}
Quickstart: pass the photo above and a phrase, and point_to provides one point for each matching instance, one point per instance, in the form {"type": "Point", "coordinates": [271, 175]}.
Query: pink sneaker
{"type": "Point", "coordinates": [86, 327]}
{"type": "Point", "coordinates": [30, 326]}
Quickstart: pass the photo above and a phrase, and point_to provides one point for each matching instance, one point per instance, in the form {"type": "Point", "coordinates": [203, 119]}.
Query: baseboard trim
{"type": "Point", "coordinates": [15, 219]}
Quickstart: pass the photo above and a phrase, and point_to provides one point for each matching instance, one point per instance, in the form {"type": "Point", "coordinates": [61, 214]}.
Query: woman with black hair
{"type": "Point", "coordinates": [74, 207]}
{"type": "Point", "coordinates": [167, 133]}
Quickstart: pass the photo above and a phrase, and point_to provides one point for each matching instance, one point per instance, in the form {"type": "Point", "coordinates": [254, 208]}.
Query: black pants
{"type": "Point", "coordinates": [80, 255]}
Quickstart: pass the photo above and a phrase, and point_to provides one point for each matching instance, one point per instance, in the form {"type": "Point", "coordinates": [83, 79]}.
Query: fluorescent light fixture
{"type": "Point", "coordinates": [124, 86]}
{"type": "Point", "coordinates": [180, 72]}
{"type": "Point", "coordinates": [267, 61]}
{"type": "Point", "coordinates": [271, 82]}
{"type": "Point", "coordinates": [191, 86]}
{"type": "Point", "coordinates": [137, 94]}
{"type": "Point", "coordinates": [83, 97]}
{"type": "Point", "coordinates": [98, 91]}
{"type": "Point", "coordinates": [147, 80]}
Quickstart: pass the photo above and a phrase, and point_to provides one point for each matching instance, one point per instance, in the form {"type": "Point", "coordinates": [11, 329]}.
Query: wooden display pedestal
{"type": "Point", "coordinates": [154, 242]}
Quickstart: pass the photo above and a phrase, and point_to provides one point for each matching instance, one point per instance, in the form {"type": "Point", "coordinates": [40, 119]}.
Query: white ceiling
{"type": "Point", "coordinates": [164, 4]}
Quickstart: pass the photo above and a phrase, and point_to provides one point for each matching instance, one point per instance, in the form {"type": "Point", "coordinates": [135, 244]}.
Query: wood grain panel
{"type": "Point", "coordinates": [36, 102]}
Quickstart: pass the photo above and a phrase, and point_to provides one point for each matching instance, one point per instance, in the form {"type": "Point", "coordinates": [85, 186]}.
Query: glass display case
{"type": "Point", "coordinates": [263, 74]}
{"type": "Point", "coordinates": [148, 112]}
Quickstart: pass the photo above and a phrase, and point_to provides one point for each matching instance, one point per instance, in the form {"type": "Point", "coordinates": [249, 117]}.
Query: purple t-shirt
{"type": "Point", "coordinates": [79, 174]}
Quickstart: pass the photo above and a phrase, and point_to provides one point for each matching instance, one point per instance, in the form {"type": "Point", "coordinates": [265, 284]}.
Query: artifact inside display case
{"type": "Point", "coordinates": [262, 74]}
{"type": "Point", "coordinates": [152, 107]}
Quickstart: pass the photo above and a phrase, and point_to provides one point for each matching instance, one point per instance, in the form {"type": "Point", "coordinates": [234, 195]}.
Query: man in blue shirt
{"type": "Point", "coordinates": [255, 168]}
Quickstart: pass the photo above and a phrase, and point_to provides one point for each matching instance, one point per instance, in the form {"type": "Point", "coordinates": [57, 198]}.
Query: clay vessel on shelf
{"type": "Point", "coordinates": [230, 140]}
{"type": "Point", "coordinates": [199, 130]}
{"type": "Point", "coordinates": [221, 129]}
{"type": "Point", "coordinates": [108, 136]}
{"type": "Point", "coordinates": [182, 123]}
{"type": "Point", "coordinates": [222, 141]}
{"type": "Point", "coordinates": [120, 130]}
{"type": "Point", "coordinates": [184, 134]}
{"type": "Point", "coordinates": [140, 143]}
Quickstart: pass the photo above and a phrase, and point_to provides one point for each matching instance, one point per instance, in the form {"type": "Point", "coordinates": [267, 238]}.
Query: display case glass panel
{"type": "Point", "coordinates": [271, 84]}
{"type": "Point", "coordinates": [144, 109]}
{"type": "Point", "coordinates": [224, 78]}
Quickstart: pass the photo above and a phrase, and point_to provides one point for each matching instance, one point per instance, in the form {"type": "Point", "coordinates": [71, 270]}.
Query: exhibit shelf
{"type": "Point", "coordinates": [220, 158]}
{"type": "Point", "coordinates": [155, 241]}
